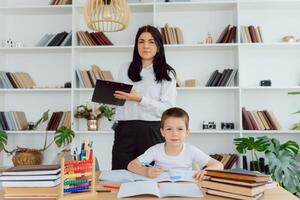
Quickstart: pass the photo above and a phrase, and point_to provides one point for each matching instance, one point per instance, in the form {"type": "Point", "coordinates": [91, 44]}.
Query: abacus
{"type": "Point", "coordinates": [78, 179]}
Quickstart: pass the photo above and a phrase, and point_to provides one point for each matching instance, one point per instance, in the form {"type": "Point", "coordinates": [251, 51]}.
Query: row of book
{"type": "Point", "coordinates": [236, 184]}
{"type": "Point", "coordinates": [59, 39]}
{"type": "Point", "coordinates": [228, 35]}
{"type": "Point", "coordinates": [224, 79]}
{"type": "Point", "coordinates": [228, 160]}
{"type": "Point", "coordinates": [59, 119]}
{"type": "Point", "coordinates": [16, 80]}
{"type": "Point", "coordinates": [13, 120]}
{"type": "Point", "coordinates": [31, 182]}
{"type": "Point", "coordinates": [60, 2]}
{"type": "Point", "coordinates": [92, 39]}
{"type": "Point", "coordinates": [87, 78]}
{"type": "Point", "coordinates": [259, 120]}
{"type": "Point", "coordinates": [251, 34]}
{"type": "Point", "coordinates": [171, 35]}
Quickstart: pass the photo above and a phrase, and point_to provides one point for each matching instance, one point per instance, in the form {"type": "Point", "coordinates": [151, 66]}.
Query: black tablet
{"type": "Point", "coordinates": [104, 92]}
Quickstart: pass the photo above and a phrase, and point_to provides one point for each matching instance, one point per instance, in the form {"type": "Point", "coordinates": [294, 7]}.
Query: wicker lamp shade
{"type": "Point", "coordinates": [107, 15]}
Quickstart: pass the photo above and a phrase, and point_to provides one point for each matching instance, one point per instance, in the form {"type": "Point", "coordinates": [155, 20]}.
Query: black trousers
{"type": "Point", "coordinates": [133, 138]}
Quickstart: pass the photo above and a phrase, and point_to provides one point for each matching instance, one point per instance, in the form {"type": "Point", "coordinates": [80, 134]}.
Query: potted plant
{"type": "Point", "coordinates": [296, 125]}
{"type": "Point", "coordinates": [284, 167]}
{"type": "Point", "coordinates": [93, 112]}
{"type": "Point", "coordinates": [26, 156]}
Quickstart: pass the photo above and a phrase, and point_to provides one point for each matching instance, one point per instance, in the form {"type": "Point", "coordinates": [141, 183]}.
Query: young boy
{"type": "Point", "coordinates": [174, 153]}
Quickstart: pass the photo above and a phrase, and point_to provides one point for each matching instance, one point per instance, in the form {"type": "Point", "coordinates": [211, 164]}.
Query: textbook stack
{"type": "Point", "coordinates": [32, 182]}
{"type": "Point", "coordinates": [236, 184]}
{"type": "Point", "coordinates": [87, 78]}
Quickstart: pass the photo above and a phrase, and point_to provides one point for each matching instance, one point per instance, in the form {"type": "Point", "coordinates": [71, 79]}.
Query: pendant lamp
{"type": "Point", "coordinates": [107, 15]}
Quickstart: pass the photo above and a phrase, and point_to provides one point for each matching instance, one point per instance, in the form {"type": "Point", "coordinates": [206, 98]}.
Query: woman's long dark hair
{"type": "Point", "coordinates": [160, 67]}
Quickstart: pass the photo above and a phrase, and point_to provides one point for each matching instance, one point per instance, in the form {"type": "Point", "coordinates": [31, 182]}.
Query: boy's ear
{"type": "Point", "coordinates": [187, 132]}
{"type": "Point", "coordinates": [162, 132]}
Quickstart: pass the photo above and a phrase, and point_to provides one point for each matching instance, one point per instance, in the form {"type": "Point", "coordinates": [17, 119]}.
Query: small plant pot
{"type": "Point", "coordinates": [92, 124]}
{"type": "Point", "coordinates": [27, 157]}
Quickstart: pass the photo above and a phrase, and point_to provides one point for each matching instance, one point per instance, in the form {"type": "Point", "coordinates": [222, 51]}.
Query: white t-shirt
{"type": "Point", "coordinates": [157, 97]}
{"type": "Point", "coordinates": [189, 154]}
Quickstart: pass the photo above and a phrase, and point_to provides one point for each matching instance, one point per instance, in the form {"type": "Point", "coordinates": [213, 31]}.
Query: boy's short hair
{"type": "Point", "coordinates": [175, 112]}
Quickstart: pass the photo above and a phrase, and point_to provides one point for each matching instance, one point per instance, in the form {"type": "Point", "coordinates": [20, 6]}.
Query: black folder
{"type": "Point", "coordinates": [104, 92]}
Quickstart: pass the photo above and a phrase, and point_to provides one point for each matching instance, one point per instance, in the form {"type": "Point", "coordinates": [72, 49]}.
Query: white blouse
{"type": "Point", "coordinates": [157, 97]}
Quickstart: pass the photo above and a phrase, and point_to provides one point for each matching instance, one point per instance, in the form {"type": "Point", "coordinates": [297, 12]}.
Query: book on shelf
{"type": "Point", "coordinates": [92, 39]}
{"type": "Point", "coordinates": [60, 2]}
{"type": "Point", "coordinates": [16, 80]}
{"type": "Point", "coordinates": [251, 34]}
{"type": "Point", "coordinates": [87, 78]}
{"type": "Point", "coordinates": [60, 39]}
{"type": "Point", "coordinates": [59, 119]}
{"type": "Point", "coordinates": [13, 120]}
{"type": "Point", "coordinates": [228, 35]}
{"type": "Point", "coordinates": [228, 160]}
{"type": "Point", "coordinates": [171, 35]}
{"type": "Point", "coordinates": [224, 79]}
{"type": "Point", "coordinates": [163, 190]}
{"type": "Point", "coordinates": [259, 120]}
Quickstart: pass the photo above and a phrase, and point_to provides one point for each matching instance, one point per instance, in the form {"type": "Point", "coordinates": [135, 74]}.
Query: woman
{"type": "Point", "coordinates": [154, 91]}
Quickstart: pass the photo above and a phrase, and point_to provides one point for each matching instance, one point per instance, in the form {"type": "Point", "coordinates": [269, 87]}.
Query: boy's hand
{"type": "Point", "coordinates": [153, 172]}
{"type": "Point", "coordinates": [199, 176]}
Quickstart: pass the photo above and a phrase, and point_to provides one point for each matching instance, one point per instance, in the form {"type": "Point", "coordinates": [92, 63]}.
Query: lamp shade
{"type": "Point", "coordinates": [107, 15]}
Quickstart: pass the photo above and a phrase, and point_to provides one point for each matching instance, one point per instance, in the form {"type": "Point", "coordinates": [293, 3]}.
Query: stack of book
{"type": "Point", "coordinates": [250, 34]}
{"type": "Point", "coordinates": [16, 80]}
{"type": "Point", "coordinates": [260, 120]}
{"type": "Point", "coordinates": [87, 78]}
{"type": "Point", "coordinates": [228, 160]}
{"type": "Point", "coordinates": [92, 39]}
{"type": "Point", "coordinates": [171, 35]}
{"type": "Point", "coordinates": [31, 182]}
{"type": "Point", "coordinates": [60, 2]}
{"type": "Point", "coordinates": [59, 39]}
{"type": "Point", "coordinates": [13, 120]}
{"type": "Point", "coordinates": [228, 35]}
{"type": "Point", "coordinates": [59, 119]}
{"type": "Point", "coordinates": [236, 184]}
{"type": "Point", "coordinates": [224, 79]}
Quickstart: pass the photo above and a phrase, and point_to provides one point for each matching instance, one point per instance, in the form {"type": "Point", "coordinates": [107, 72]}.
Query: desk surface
{"type": "Point", "coordinates": [277, 193]}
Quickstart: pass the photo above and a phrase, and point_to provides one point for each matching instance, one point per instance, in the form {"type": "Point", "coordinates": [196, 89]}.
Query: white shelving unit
{"type": "Point", "coordinates": [29, 20]}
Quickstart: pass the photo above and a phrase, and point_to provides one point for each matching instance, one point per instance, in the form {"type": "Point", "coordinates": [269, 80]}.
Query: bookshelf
{"type": "Point", "coordinates": [29, 20]}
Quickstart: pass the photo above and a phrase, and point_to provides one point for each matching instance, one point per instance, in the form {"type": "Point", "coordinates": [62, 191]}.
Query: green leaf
{"type": "Point", "coordinates": [291, 146]}
{"type": "Point", "coordinates": [63, 136]}
{"type": "Point", "coordinates": [3, 139]}
{"type": "Point", "coordinates": [44, 118]}
{"type": "Point", "coordinates": [259, 144]}
{"type": "Point", "coordinates": [284, 168]}
{"type": "Point", "coordinates": [294, 93]}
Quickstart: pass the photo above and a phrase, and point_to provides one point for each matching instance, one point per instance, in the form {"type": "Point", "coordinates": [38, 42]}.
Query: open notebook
{"type": "Point", "coordinates": [127, 176]}
{"type": "Point", "coordinates": [163, 190]}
